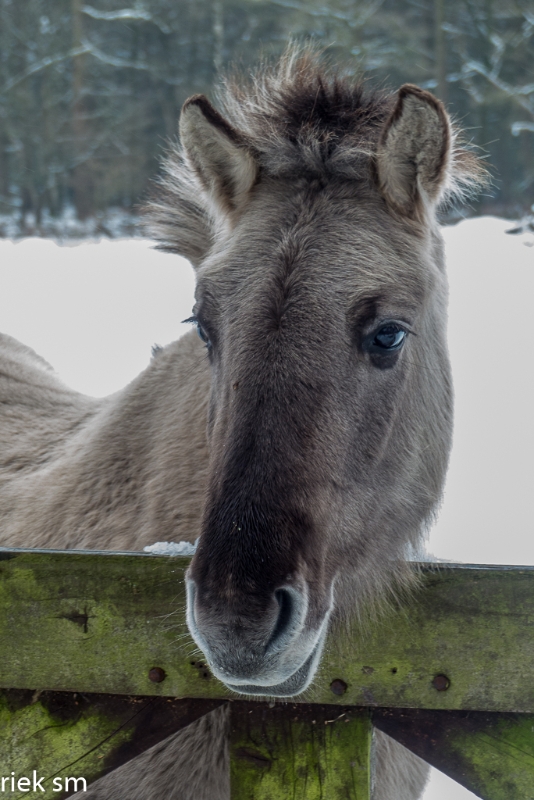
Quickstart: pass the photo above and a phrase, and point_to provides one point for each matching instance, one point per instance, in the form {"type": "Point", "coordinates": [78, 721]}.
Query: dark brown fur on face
{"type": "Point", "coordinates": [319, 462]}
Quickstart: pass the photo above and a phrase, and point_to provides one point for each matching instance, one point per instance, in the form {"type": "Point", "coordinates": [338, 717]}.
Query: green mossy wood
{"type": "Point", "coordinates": [490, 754]}
{"type": "Point", "coordinates": [71, 735]}
{"type": "Point", "coordinates": [42, 741]}
{"type": "Point", "coordinates": [100, 622]}
{"type": "Point", "coordinates": [115, 624]}
{"type": "Point", "coordinates": [300, 752]}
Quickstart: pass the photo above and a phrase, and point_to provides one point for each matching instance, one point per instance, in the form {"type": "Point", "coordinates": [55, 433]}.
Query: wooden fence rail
{"type": "Point", "coordinates": [96, 665]}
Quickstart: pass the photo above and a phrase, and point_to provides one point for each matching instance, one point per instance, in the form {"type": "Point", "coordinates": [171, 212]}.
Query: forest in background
{"type": "Point", "coordinates": [90, 92]}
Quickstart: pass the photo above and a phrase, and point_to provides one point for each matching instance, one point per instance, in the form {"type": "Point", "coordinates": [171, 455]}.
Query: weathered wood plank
{"type": "Point", "coordinates": [49, 737]}
{"type": "Point", "coordinates": [472, 625]}
{"type": "Point", "coordinates": [100, 623]}
{"type": "Point", "coordinates": [298, 751]}
{"type": "Point", "coordinates": [490, 754]}
{"type": "Point", "coordinates": [97, 623]}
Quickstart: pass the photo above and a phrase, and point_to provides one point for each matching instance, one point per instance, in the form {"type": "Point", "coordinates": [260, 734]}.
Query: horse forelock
{"type": "Point", "coordinates": [300, 118]}
{"type": "Point", "coordinates": [305, 116]}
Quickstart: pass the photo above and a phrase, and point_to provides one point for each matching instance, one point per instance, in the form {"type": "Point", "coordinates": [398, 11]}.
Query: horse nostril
{"type": "Point", "coordinates": [285, 614]}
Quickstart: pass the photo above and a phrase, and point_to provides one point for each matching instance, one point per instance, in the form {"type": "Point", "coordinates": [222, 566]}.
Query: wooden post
{"type": "Point", "coordinates": [306, 752]}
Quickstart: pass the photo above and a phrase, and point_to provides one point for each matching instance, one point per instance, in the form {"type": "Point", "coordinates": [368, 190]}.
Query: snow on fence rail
{"type": "Point", "coordinates": [96, 666]}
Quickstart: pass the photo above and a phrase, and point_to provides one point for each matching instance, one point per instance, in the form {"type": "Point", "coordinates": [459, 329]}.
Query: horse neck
{"type": "Point", "coordinates": [116, 473]}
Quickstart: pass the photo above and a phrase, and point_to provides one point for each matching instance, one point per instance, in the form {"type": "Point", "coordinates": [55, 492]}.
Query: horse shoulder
{"type": "Point", "coordinates": [36, 409]}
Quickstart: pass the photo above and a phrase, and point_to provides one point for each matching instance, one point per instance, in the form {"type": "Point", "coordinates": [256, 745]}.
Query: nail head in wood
{"type": "Point", "coordinates": [441, 683]}
{"type": "Point", "coordinates": [338, 686]}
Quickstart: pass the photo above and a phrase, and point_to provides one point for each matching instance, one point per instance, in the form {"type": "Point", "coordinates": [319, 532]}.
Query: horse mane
{"type": "Point", "coordinates": [301, 118]}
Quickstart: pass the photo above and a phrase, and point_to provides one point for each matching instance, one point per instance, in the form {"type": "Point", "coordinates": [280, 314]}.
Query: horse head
{"type": "Point", "coordinates": [309, 209]}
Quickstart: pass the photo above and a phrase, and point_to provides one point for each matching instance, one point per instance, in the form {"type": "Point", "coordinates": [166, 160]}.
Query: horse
{"type": "Point", "coordinates": [302, 429]}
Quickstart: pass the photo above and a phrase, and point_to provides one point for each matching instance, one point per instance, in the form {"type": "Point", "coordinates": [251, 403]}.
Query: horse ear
{"type": "Point", "coordinates": [414, 151]}
{"type": "Point", "coordinates": [217, 152]}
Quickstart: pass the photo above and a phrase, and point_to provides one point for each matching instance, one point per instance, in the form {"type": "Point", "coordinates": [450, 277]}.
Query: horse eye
{"type": "Point", "coordinates": [203, 335]}
{"type": "Point", "coordinates": [200, 330]}
{"type": "Point", "coordinates": [390, 337]}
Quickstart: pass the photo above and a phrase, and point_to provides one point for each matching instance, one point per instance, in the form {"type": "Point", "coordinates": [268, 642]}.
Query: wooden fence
{"type": "Point", "coordinates": [96, 666]}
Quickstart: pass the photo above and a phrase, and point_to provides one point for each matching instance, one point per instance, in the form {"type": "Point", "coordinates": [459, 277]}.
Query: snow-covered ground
{"type": "Point", "coordinates": [95, 309]}
{"type": "Point", "coordinates": [113, 223]}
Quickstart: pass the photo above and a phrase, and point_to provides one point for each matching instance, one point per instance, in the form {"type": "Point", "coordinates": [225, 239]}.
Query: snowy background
{"type": "Point", "coordinates": [94, 309]}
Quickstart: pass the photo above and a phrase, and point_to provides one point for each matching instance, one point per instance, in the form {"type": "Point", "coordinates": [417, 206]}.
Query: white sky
{"type": "Point", "coordinates": [95, 309]}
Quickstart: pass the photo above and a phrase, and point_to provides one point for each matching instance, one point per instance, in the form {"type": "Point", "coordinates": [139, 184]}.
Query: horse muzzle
{"type": "Point", "coordinates": [259, 646]}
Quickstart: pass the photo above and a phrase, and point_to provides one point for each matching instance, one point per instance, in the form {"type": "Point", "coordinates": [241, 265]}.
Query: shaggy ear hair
{"type": "Point", "coordinates": [175, 215]}
{"type": "Point", "coordinates": [218, 153]}
{"type": "Point", "coordinates": [414, 151]}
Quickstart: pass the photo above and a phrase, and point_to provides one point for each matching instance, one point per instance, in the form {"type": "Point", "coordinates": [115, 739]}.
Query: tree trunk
{"type": "Point", "coordinates": [218, 36]}
{"type": "Point", "coordinates": [82, 181]}
{"type": "Point", "coordinates": [440, 50]}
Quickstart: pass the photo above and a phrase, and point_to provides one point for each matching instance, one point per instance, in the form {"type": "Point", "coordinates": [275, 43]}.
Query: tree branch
{"type": "Point", "coordinates": [126, 13]}
{"type": "Point", "coordinates": [124, 63]}
{"type": "Point", "coordinates": [48, 61]}
{"type": "Point", "coordinates": [349, 18]}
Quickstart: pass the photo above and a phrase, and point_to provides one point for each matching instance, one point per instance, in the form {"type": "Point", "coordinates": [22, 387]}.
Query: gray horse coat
{"type": "Point", "coordinates": [305, 434]}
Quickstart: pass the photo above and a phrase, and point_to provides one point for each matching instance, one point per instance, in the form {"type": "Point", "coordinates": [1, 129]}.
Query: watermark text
{"type": "Point", "coordinates": [9, 784]}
